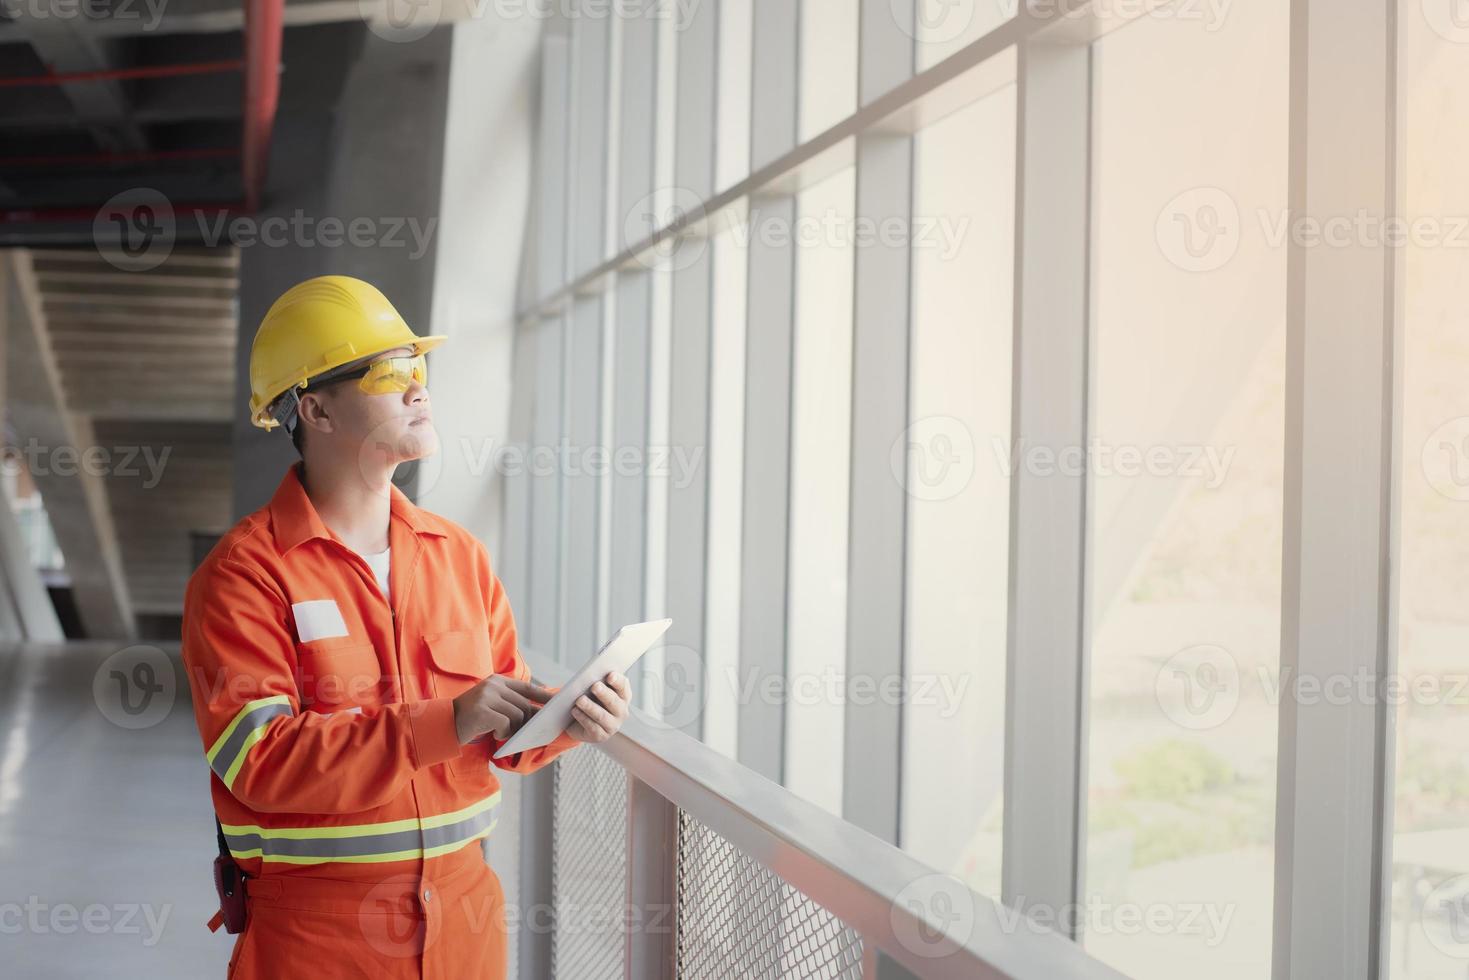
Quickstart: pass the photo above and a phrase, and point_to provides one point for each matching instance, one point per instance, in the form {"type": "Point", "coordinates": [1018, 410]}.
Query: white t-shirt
{"type": "Point", "coordinates": [379, 564]}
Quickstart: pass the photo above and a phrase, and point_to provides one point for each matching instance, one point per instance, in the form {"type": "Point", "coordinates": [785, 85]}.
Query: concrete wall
{"type": "Point", "coordinates": [486, 187]}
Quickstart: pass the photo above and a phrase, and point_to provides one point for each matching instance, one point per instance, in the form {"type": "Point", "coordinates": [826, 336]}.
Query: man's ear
{"type": "Point", "coordinates": [313, 411]}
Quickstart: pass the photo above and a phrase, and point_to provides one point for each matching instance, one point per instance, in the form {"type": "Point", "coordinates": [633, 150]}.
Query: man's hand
{"type": "Point", "coordinates": [497, 704]}
{"type": "Point", "coordinates": [594, 722]}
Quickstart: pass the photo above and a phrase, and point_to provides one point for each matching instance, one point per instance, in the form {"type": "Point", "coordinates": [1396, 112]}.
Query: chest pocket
{"type": "Point", "coordinates": [459, 659]}
{"type": "Point", "coordinates": [338, 673]}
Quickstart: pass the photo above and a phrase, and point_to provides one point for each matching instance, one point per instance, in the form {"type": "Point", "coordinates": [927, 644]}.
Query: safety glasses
{"type": "Point", "coordinates": [384, 377]}
{"type": "Point", "coordinates": [394, 374]}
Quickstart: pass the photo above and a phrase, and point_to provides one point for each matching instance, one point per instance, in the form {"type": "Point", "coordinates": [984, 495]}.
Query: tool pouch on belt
{"type": "Point", "coordinates": [229, 883]}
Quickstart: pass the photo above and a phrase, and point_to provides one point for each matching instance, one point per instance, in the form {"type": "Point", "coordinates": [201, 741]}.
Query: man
{"type": "Point", "coordinates": [354, 667]}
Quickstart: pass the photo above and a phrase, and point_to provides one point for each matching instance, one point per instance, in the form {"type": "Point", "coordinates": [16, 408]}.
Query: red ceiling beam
{"type": "Point", "coordinates": [113, 74]}
{"type": "Point", "coordinates": [264, 23]}
{"type": "Point", "coordinates": [22, 216]}
{"type": "Point", "coordinates": [111, 159]}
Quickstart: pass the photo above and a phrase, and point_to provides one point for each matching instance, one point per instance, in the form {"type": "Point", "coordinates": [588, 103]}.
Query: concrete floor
{"type": "Point", "coordinates": [106, 831]}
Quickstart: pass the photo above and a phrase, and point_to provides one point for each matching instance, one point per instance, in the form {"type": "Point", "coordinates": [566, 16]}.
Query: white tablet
{"type": "Point", "coordinates": [618, 653]}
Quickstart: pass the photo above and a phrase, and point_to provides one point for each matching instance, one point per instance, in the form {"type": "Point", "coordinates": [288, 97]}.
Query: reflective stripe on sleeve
{"type": "Point", "coordinates": [229, 750]}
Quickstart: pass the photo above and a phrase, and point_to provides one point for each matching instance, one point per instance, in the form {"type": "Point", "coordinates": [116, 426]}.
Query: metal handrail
{"type": "Point", "coordinates": [859, 878]}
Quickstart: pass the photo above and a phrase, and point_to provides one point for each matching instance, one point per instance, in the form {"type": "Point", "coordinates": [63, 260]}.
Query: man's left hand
{"type": "Point", "coordinates": [598, 714]}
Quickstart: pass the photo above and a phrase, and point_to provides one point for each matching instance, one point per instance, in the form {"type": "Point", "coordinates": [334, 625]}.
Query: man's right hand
{"type": "Point", "coordinates": [497, 704]}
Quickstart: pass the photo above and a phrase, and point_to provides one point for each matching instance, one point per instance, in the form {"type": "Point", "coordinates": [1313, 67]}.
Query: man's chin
{"type": "Point", "coordinates": [418, 441]}
{"type": "Point", "coordinates": [390, 447]}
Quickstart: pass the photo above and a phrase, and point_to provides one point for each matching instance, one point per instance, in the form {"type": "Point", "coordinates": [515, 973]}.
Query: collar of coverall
{"type": "Point", "coordinates": [295, 519]}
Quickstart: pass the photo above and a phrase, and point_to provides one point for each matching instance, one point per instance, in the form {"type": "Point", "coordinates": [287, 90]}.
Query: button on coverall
{"type": "Point", "coordinates": [328, 723]}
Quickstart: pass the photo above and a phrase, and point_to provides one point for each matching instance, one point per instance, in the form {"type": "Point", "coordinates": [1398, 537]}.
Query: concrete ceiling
{"type": "Point", "coordinates": [75, 145]}
{"type": "Point", "coordinates": [140, 362]}
{"type": "Point", "coordinates": [143, 346]}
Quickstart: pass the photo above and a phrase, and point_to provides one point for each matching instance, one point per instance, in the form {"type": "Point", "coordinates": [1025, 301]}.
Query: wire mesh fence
{"type": "Point", "coordinates": [735, 918]}
{"type": "Point", "coordinates": [589, 867]}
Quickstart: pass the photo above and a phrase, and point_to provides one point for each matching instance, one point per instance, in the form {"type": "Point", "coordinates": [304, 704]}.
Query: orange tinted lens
{"type": "Point", "coordinates": [395, 374]}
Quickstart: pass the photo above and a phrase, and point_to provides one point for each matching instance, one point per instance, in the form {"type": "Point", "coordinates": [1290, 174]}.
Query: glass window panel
{"type": "Point", "coordinates": [944, 26]}
{"type": "Point", "coordinates": [732, 143]}
{"type": "Point", "coordinates": [656, 562]}
{"type": "Point", "coordinates": [655, 573]}
{"type": "Point", "coordinates": [1429, 937]}
{"type": "Point", "coordinates": [612, 224]}
{"type": "Point", "coordinates": [821, 433]}
{"type": "Point", "coordinates": [546, 489]}
{"type": "Point", "coordinates": [666, 108]}
{"type": "Point", "coordinates": [605, 439]}
{"type": "Point", "coordinates": [828, 65]}
{"type": "Point", "coordinates": [1185, 500]}
{"type": "Point", "coordinates": [958, 509]}
{"type": "Point", "coordinates": [726, 484]}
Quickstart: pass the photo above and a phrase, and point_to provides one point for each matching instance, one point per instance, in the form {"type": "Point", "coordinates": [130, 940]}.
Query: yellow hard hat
{"type": "Point", "coordinates": [318, 325]}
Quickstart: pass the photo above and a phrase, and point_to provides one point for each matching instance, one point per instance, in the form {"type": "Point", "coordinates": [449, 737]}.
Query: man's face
{"type": "Point", "coordinates": [384, 429]}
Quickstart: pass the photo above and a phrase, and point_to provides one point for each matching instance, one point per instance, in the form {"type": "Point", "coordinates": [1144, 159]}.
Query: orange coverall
{"type": "Point", "coordinates": [328, 723]}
